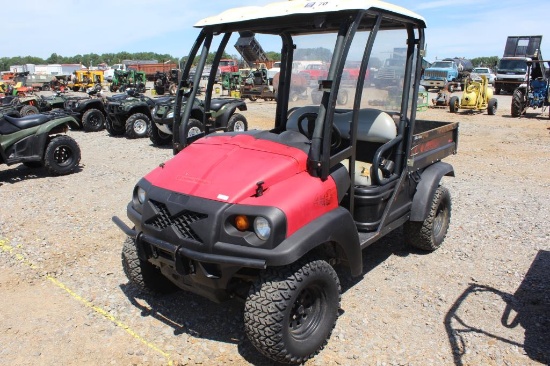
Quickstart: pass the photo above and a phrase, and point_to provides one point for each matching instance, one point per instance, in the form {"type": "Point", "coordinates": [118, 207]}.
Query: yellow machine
{"type": "Point", "coordinates": [87, 79]}
{"type": "Point", "coordinates": [477, 96]}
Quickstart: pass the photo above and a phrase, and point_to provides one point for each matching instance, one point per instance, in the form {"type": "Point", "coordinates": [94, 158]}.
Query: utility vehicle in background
{"type": "Point", "coordinates": [39, 140]}
{"type": "Point", "coordinates": [266, 215]}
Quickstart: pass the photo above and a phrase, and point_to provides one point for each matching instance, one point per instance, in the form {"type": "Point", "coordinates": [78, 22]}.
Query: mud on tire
{"type": "Point", "coordinates": [290, 311]}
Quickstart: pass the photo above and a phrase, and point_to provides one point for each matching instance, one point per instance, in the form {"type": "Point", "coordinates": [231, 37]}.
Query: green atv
{"type": "Point", "coordinates": [39, 140]}
{"type": "Point", "coordinates": [128, 114]}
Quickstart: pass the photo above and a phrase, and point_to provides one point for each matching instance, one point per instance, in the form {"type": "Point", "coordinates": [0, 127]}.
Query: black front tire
{"type": "Point", "coordinates": [237, 123]}
{"type": "Point", "coordinates": [93, 120]}
{"type": "Point", "coordinates": [290, 311]}
{"type": "Point", "coordinates": [142, 274]}
{"type": "Point", "coordinates": [137, 126]}
{"type": "Point", "coordinates": [492, 107]}
{"type": "Point", "coordinates": [429, 234]}
{"type": "Point", "coordinates": [453, 104]}
{"type": "Point", "coordinates": [62, 155]}
{"type": "Point", "coordinates": [157, 137]}
{"type": "Point", "coordinates": [517, 103]}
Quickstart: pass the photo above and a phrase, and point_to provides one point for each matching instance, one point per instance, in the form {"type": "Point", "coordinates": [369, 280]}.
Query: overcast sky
{"type": "Point", "coordinates": [463, 28]}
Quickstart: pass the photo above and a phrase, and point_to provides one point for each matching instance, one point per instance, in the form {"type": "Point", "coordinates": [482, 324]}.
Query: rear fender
{"type": "Point", "coordinates": [57, 125]}
{"type": "Point", "coordinates": [336, 226]}
{"type": "Point", "coordinates": [425, 190]}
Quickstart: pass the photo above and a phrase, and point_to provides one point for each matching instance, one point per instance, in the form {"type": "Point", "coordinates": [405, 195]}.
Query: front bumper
{"type": "Point", "coordinates": [177, 252]}
{"type": "Point", "coordinates": [433, 83]}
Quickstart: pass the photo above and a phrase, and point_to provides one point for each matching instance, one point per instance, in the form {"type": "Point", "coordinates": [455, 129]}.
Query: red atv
{"type": "Point", "coordinates": [267, 215]}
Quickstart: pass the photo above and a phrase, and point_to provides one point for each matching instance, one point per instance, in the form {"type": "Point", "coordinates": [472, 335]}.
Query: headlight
{"type": "Point", "coordinates": [262, 228]}
{"type": "Point", "coordinates": [141, 195]}
{"type": "Point", "coordinates": [170, 114]}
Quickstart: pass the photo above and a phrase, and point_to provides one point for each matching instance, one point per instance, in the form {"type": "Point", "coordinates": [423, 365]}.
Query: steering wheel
{"type": "Point", "coordinates": [335, 137]}
{"type": "Point", "coordinates": [310, 117]}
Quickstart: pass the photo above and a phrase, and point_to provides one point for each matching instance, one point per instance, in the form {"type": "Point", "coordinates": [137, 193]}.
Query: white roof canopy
{"type": "Point", "coordinates": [294, 7]}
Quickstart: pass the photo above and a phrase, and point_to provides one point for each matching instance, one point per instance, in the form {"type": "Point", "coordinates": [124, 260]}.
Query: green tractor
{"type": "Point", "coordinates": [124, 79]}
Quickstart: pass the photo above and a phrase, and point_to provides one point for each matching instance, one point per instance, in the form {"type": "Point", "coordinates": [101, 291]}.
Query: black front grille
{"type": "Point", "coordinates": [182, 221]}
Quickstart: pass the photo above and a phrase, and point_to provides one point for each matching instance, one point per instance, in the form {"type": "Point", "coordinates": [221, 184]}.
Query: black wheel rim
{"type": "Point", "coordinates": [95, 120]}
{"type": "Point", "coordinates": [307, 312]}
{"type": "Point", "coordinates": [63, 155]}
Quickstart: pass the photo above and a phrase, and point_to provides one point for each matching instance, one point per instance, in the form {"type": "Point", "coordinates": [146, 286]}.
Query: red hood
{"type": "Point", "coordinates": [227, 168]}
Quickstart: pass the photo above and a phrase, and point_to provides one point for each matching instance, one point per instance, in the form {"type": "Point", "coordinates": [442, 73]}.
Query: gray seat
{"type": "Point", "coordinates": [374, 125]}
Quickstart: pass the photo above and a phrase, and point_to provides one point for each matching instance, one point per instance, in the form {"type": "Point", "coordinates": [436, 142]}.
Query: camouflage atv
{"type": "Point", "coordinates": [129, 114]}
{"type": "Point", "coordinates": [222, 117]}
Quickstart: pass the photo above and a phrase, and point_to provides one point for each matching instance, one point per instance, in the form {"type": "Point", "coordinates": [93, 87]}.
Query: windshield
{"type": "Point", "coordinates": [515, 65]}
{"type": "Point", "coordinates": [481, 71]}
{"type": "Point", "coordinates": [442, 64]}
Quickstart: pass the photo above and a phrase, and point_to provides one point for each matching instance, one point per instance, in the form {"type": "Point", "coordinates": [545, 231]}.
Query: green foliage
{"type": "Point", "coordinates": [490, 61]}
{"type": "Point", "coordinates": [319, 53]}
{"type": "Point", "coordinates": [93, 59]}
{"type": "Point", "coordinates": [273, 56]}
{"type": "Point", "coordinates": [86, 60]}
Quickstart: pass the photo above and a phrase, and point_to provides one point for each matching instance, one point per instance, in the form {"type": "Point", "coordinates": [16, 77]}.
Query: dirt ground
{"type": "Point", "coordinates": [482, 298]}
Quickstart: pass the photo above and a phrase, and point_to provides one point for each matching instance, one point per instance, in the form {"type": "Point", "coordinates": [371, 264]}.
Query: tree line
{"type": "Point", "coordinates": [93, 59]}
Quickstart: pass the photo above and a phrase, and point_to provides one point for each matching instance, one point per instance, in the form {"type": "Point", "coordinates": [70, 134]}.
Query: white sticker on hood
{"type": "Point", "coordinates": [223, 197]}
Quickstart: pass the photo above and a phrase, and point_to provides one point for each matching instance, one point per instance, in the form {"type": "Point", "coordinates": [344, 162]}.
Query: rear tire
{"type": "Point", "coordinates": [137, 126]}
{"type": "Point", "coordinates": [93, 120]}
{"type": "Point", "coordinates": [517, 103]}
{"type": "Point", "coordinates": [290, 311]}
{"type": "Point", "coordinates": [112, 129]}
{"type": "Point", "coordinates": [142, 274]}
{"type": "Point", "coordinates": [237, 123]}
{"type": "Point", "coordinates": [62, 155]}
{"type": "Point", "coordinates": [194, 127]}
{"type": "Point", "coordinates": [429, 234]}
{"type": "Point", "coordinates": [27, 110]}
{"type": "Point", "coordinates": [453, 104]}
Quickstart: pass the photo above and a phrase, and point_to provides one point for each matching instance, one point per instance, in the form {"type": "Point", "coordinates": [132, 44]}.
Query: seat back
{"type": "Point", "coordinates": [374, 125]}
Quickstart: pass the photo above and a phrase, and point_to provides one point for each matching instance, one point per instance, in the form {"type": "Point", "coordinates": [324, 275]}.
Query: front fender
{"type": "Point", "coordinates": [429, 181]}
{"type": "Point", "coordinates": [223, 115]}
{"type": "Point", "coordinates": [335, 226]}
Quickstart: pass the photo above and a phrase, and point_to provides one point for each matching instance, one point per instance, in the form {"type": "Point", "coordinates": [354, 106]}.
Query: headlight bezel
{"type": "Point", "coordinates": [274, 218]}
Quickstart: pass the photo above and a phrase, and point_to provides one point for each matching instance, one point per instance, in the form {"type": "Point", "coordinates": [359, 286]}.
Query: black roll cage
{"type": "Point", "coordinates": [320, 160]}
